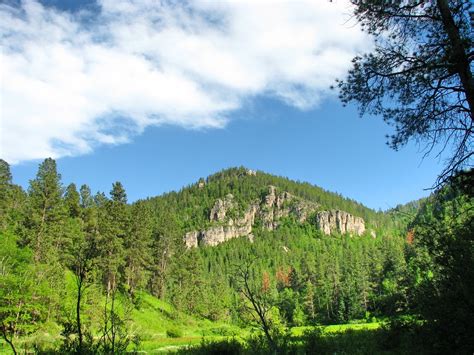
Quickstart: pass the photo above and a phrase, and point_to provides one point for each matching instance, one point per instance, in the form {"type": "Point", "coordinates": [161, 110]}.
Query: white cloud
{"type": "Point", "coordinates": [71, 81]}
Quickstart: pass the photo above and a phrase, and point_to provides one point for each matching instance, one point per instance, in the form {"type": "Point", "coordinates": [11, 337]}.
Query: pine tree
{"type": "Point", "coordinates": [47, 214]}
{"type": "Point", "coordinates": [113, 226]}
{"type": "Point", "coordinates": [186, 280]}
{"type": "Point", "coordinates": [5, 183]}
{"type": "Point", "coordinates": [166, 244]}
{"type": "Point", "coordinates": [82, 250]}
{"type": "Point", "coordinates": [137, 245]}
{"type": "Point", "coordinates": [86, 199]}
{"type": "Point", "coordinates": [5, 194]}
{"type": "Point", "coordinates": [72, 201]}
{"type": "Point", "coordinates": [419, 76]}
{"type": "Point", "coordinates": [308, 303]}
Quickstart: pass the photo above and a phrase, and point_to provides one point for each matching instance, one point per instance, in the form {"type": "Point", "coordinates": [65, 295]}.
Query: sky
{"type": "Point", "coordinates": [159, 94]}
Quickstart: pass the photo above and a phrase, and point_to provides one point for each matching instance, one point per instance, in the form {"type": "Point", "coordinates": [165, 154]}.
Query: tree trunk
{"type": "Point", "coordinates": [39, 235]}
{"type": "Point", "coordinates": [3, 328]}
{"type": "Point", "coordinates": [458, 54]}
{"type": "Point", "coordinates": [112, 316]}
{"type": "Point", "coordinates": [78, 310]}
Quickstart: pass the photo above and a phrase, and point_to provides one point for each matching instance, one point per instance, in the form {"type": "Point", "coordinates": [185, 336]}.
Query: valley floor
{"type": "Point", "coordinates": [162, 329]}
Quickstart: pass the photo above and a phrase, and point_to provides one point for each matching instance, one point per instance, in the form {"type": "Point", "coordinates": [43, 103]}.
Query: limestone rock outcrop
{"type": "Point", "coordinates": [269, 211]}
{"type": "Point", "coordinates": [221, 207]}
{"type": "Point", "coordinates": [191, 239]}
{"type": "Point", "coordinates": [232, 229]}
{"type": "Point", "coordinates": [339, 221]}
{"type": "Point", "coordinates": [278, 205]}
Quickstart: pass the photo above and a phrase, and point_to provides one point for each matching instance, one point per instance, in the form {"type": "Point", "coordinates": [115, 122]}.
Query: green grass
{"type": "Point", "coordinates": [150, 321]}
{"type": "Point", "coordinates": [153, 318]}
{"type": "Point", "coordinates": [336, 328]}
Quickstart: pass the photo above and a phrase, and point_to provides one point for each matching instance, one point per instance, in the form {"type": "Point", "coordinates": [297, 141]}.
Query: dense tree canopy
{"type": "Point", "coordinates": [112, 252]}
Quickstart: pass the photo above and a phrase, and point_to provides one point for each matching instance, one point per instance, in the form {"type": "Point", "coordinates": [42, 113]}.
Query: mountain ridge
{"type": "Point", "coordinates": [267, 213]}
{"type": "Point", "coordinates": [198, 205]}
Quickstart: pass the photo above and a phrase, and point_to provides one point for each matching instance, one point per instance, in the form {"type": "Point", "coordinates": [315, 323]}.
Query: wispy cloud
{"type": "Point", "coordinates": [72, 81]}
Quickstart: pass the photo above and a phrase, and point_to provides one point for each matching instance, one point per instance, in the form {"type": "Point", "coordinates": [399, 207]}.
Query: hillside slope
{"type": "Point", "coordinates": [249, 199]}
{"type": "Point", "coordinates": [327, 258]}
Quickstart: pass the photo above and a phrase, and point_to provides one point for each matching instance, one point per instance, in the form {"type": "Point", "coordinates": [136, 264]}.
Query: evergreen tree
{"type": "Point", "coordinates": [113, 227]}
{"type": "Point", "coordinates": [46, 213]}
{"type": "Point", "coordinates": [166, 244]}
{"type": "Point", "coordinates": [82, 251]}
{"type": "Point", "coordinates": [186, 281]}
{"type": "Point", "coordinates": [137, 245]}
{"type": "Point", "coordinates": [5, 183]}
{"type": "Point", "coordinates": [308, 301]}
{"type": "Point", "coordinates": [12, 201]}
{"type": "Point", "coordinates": [443, 232]}
{"type": "Point", "coordinates": [72, 201]}
{"type": "Point", "coordinates": [419, 75]}
{"type": "Point", "coordinates": [113, 224]}
{"type": "Point", "coordinates": [86, 196]}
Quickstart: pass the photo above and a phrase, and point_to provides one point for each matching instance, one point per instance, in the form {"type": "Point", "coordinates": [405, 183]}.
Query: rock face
{"type": "Point", "coordinates": [273, 206]}
{"type": "Point", "coordinates": [191, 239]}
{"type": "Point", "coordinates": [233, 229]}
{"type": "Point", "coordinates": [221, 207]}
{"type": "Point", "coordinates": [339, 221]}
{"type": "Point", "coordinates": [276, 206]}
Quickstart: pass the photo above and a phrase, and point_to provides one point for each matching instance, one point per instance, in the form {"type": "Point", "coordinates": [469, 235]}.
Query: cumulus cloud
{"type": "Point", "coordinates": [73, 80]}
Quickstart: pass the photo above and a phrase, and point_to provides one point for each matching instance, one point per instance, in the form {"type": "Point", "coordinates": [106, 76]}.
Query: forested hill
{"type": "Point", "coordinates": [116, 250]}
{"type": "Point", "coordinates": [191, 206]}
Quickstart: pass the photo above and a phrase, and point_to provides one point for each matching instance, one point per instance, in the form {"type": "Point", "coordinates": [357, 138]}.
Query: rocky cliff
{"type": "Point", "coordinates": [269, 210]}
{"type": "Point", "coordinates": [339, 221]}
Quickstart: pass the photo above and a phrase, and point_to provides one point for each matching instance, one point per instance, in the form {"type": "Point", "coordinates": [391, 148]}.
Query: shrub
{"type": "Point", "coordinates": [222, 331]}
{"type": "Point", "coordinates": [174, 333]}
{"type": "Point", "coordinates": [221, 347]}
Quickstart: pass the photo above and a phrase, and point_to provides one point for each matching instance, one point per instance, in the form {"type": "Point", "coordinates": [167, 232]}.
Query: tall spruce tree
{"type": "Point", "coordinates": [81, 253]}
{"type": "Point", "coordinates": [113, 227]}
{"type": "Point", "coordinates": [72, 201]}
{"type": "Point", "coordinates": [5, 193]}
{"type": "Point", "coordinates": [137, 243]}
{"type": "Point", "coordinates": [166, 244]}
{"type": "Point", "coordinates": [47, 213]}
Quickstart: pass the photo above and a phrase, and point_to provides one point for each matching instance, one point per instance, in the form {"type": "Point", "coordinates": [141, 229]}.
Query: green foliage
{"type": "Point", "coordinates": [226, 346]}
{"type": "Point", "coordinates": [137, 244]}
{"type": "Point", "coordinates": [20, 313]}
{"type": "Point", "coordinates": [319, 340]}
{"type": "Point", "coordinates": [91, 265]}
{"type": "Point", "coordinates": [418, 76]}
{"type": "Point", "coordinates": [46, 215]}
{"type": "Point", "coordinates": [192, 204]}
{"type": "Point", "coordinates": [174, 333]}
{"type": "Point", "coordinates": [444, 261]}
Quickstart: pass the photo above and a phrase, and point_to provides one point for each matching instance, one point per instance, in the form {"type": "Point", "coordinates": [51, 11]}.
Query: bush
{"type": "Point", "coordinates": [174, 333]}
{"type": "Point", "coordinates": [222, 331]}
{"type": "Point", "coordinates": [405, 334]}
{"type": "Point", "coordinates": [224, 347]}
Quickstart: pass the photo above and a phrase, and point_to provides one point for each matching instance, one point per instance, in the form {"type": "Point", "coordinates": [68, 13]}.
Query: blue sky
{"type": "Point", "coordinates": [330, 147]}
{"type": "Point", "coordinates": [157, 96]}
